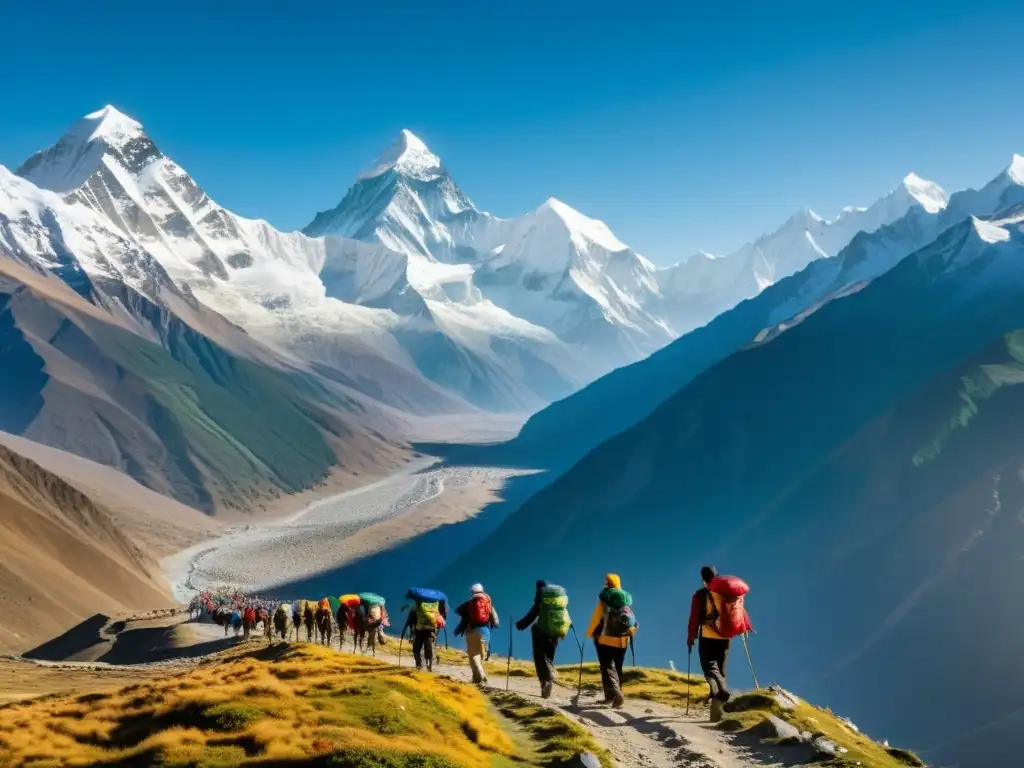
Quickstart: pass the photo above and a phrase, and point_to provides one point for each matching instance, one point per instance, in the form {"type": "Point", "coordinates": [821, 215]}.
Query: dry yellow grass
{"type": "Point", "coordinates": [276, 706]}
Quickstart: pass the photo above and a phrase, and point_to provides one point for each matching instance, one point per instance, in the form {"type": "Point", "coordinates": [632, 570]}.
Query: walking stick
{"type": "Point", "coordinates": [401, 637]}
{"type": "Point", "coordinates": [632, 650]}
{"type": "Point", "coordinates": [579, 682]}
{"type": "Point", "coordinates": [508, 662]}
{"type": "Point", "coordinates": [750, 661]}
{"type": "Point", "coordinates": [689, 657]}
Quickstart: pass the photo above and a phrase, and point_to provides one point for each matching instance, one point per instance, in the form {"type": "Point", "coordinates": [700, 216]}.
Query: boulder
{"type": "Point", "coordinates": [825, 747]}
{"type": "Point", "coordinates": [782, 729]}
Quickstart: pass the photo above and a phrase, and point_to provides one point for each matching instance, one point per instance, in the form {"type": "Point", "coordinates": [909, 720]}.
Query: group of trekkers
{"type": "Point", "coordinates": [612, 627]}
{"type": "Point", "coordinates": [717, 615]}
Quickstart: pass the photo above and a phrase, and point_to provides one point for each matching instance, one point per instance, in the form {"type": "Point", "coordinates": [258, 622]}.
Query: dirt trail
{"type": "Point", "coordinates": [642, 734]}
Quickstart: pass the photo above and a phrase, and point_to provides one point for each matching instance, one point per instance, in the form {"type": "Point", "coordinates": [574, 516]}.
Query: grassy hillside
{"type": "Point", "coordinates": [287, 705]}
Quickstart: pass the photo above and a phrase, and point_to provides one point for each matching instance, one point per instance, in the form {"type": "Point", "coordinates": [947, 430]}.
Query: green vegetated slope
{"type": "Point", "coordinates": [167, 405]}
{"type": "Point", "coordinates": [288, 706]}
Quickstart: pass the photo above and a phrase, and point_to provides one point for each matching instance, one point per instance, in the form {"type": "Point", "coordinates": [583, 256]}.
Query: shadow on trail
{"type": "Point", "coordinates": [417, 561]}
{"type": "Point", "coordinates": [80, 638]}
{"type": "Point", "coordinates": [150, 644]}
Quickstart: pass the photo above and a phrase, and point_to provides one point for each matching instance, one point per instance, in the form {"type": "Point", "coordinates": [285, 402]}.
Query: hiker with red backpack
{"type": "Point", "coordinates": [477, 618]}
{"type": "Point", "coordinates": [549, 622]}
{"type": "Point", "coordinates": [612, 626]}
{"type": "Point", "coordinates": [716, 616]}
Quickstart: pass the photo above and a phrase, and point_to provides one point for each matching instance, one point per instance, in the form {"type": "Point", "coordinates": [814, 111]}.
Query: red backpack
{"type": "Point", "coordinates": [249, 616]}
{"type": "Point", "coordinates": [732, 620]}
{"type": "Point", "coordinates": [480, 610]}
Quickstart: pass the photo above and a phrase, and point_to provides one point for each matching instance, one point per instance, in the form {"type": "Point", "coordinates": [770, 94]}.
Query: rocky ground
{"type": "Point", "coordinates": [334, 531]}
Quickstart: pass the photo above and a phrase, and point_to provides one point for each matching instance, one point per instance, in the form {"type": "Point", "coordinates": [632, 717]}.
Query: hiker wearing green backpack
{"type": "Point", "coordinates": [550, 622]}
{"type": "Point", "coordinates": [612, 626]}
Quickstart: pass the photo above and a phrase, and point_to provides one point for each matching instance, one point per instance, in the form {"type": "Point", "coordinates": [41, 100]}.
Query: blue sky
{"type": "Point", "coordinates": [683, 125]}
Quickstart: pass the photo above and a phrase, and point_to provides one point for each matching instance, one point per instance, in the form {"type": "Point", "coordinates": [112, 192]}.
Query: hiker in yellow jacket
{"type": "Point", "coordinates": [612, 626]}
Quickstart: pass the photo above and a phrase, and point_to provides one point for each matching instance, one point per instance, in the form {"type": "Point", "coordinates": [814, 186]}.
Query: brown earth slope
{"type": "Point", "coordinates": [63, 557]}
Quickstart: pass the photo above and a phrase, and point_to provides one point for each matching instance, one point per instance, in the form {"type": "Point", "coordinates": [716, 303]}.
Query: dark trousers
{"type": "Point", "coordinates": [611, 661]}
{"type": "Point", "coordinates": [713, 655]}
{"type": "Point", "coordinates": [544, 648]}
{"type": "Point", "coordinates": [423, 646]}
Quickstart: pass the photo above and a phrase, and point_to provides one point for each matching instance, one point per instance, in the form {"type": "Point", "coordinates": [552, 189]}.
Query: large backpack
{"type": "Point", "coordinates": [553, 619]}
{"type": "Point", "coordinates": [480, 610]}
{"type": "Point", "coordinates": [619, 620]}
{"type": "Point", "coordinates": [731, 620]}
{"type": "Point", "coordinates": [428, 614]}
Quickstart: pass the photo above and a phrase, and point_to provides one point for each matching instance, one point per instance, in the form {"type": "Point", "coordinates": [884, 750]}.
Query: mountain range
{"type": "Point", "coordinates": [632, 392]}
{"type": "Point", "coordinates": [403, 305]}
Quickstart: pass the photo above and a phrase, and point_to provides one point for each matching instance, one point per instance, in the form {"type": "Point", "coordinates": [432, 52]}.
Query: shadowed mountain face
{"type": "Point", "coordinates": [565, 431]}
{"type": "Point", "coordinates": [862, 470]}
{"type": "Point", "coordinates": [164, 403]}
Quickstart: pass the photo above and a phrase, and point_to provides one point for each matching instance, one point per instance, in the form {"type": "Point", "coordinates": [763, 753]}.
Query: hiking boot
{"type": "Point", "coordinates": [545, 690]}
{"type": "Point", "coordinates": [618, 701]}
{"type": "Point", "coordinates": [716, 711]}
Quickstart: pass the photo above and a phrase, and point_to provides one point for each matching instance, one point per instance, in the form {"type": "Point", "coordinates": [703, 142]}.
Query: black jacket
{"type": "Point", "coordinates": [533, 613]}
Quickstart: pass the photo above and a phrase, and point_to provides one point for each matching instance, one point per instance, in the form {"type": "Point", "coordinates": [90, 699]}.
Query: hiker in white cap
{"type": "Point", "coordinates": [477, 618]}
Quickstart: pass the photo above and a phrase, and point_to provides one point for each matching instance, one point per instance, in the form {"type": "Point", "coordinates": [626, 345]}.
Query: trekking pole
{"type": "Point", "coordinates": [689, 658]}
{"type": "Point", "coordinates": [750, 661]}
{"type": "Point", "coordinates": [632, 650]}
{"type": "Point", "coordinates": [508, 662]}
{"type": "Point", "coordinates": [401, 637]}
{"type": "Point", "coordinates": [579, 682]}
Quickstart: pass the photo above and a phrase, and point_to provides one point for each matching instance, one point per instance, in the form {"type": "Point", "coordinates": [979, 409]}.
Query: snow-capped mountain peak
{"type": "Point", "coordinates": [1016, 170]}
{"type": "Point", "coordinates": [928, 194]}
{"type": "Point", "coordinates": [107, 124]}
{"type": "Point", "coordinates": [67, 164]}
{"type": "Point", "coordinates": [407, 155]}
{"type": "Point", "coordinates": [582, 229]}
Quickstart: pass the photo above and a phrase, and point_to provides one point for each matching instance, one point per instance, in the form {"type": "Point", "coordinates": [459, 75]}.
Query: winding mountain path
{"type": "Point", "coordinates": [642, 734]}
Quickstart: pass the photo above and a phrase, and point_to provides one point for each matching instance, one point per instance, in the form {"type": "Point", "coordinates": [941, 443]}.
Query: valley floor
{"type": "Point", "coordinates": [338, 530]}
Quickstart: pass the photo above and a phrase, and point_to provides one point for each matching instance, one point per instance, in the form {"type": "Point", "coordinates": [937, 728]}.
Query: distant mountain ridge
{"type": "Point", "coordinates": [629, 394]}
